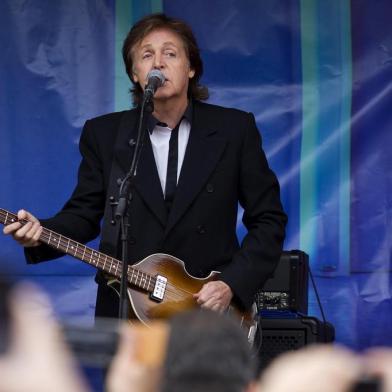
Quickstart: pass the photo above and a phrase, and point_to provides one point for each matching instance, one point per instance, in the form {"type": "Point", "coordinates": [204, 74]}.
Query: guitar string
{"type": "Point", "coordinates": [66, 243]}
{"type": "Point", "coordinates": [171, 290]}
{"type": "Point", "coordinates": [5, 215]}
{"type": "Point", "coordinates": [91, 253]}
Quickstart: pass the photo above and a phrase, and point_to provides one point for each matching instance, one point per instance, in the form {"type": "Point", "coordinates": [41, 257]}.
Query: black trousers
{"type": "Point", "coordinates": [108, 301]}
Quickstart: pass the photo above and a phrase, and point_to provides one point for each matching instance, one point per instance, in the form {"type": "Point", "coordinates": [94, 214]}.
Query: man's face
{"type": "Point", "coordinates": [163, 50]}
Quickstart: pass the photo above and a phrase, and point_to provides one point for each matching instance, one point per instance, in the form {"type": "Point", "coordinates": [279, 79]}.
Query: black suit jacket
{"type": "Point", "coordinates": [224, 164]}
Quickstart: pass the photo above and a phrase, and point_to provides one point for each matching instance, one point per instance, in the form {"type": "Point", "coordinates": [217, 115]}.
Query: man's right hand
{"type": "Point", "coordinates": [28, 234]}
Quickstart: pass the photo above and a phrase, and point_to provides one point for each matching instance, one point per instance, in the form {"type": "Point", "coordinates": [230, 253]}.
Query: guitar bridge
{"type": "Point", "coordinates": [159, 288]}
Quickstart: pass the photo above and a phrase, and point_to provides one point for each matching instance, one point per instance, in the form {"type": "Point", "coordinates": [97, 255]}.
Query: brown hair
{"type": "Point", "coordinates": [160, 21]}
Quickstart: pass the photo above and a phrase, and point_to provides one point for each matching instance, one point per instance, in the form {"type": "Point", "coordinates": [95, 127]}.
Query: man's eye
{"type": "Point", "coordinates": [146, 55]}
{"type": "Point", "coordinates": [170, 54]}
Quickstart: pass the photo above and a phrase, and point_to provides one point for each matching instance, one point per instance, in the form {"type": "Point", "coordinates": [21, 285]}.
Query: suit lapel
{"type": "Point", "coordinates": [204, 149]}
{"type": "Point", "coordinates": [147, 180]}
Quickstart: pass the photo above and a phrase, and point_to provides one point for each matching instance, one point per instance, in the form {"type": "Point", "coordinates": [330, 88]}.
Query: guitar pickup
{"type": "Point", "coordinates": [159, 288]}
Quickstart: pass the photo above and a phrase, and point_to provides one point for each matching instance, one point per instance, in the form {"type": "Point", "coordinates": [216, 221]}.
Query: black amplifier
{"type": "Point", "coordinates": [288, 288]}
{"type": "Point", "coordinates": [281, 335]}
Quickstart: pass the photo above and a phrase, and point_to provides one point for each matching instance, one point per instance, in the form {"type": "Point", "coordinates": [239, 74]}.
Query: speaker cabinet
{"type": "Point", "coordinates": [282, 335]}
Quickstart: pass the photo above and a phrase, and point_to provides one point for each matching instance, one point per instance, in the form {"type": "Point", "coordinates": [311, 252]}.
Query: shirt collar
{"type": "Point", "coordinates": [152, 122]}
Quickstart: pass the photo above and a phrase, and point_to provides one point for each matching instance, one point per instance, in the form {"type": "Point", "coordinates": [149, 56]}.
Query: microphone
{"type": "Point", "coordinates": [155, 79]}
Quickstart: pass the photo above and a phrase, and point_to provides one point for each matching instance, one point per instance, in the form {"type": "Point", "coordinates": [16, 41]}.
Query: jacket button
{"type": "Point", "coordinates": [210, 188]}
{"type": "Point", "coordinates": [201, 229]}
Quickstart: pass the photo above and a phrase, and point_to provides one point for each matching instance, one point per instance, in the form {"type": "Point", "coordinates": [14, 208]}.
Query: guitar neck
{"type": "Point", "coordinates": [88, 255]}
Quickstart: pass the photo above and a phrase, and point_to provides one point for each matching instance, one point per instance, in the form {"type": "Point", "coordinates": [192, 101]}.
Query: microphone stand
{"type": "Point", "coordinates": [125, 196]}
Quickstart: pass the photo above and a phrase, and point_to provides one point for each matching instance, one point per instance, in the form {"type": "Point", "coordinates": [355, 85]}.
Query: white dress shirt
{"type": "Point", "coordinates": [160, 137]}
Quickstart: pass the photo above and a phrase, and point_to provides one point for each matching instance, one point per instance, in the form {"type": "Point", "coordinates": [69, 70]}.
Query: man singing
{"type": "Point", "coordinates": [198, 161]}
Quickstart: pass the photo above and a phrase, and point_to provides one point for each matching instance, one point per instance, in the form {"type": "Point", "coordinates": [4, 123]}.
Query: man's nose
{"type": "Point", "coordinates": [158, 61]}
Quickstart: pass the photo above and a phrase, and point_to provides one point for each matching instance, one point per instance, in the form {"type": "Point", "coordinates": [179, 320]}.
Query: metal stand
{"type": "Point", "coordinates": [122, 209]}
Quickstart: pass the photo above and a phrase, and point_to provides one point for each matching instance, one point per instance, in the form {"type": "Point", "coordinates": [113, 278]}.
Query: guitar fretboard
{"type": "Point", "coordinates": [88, 255]}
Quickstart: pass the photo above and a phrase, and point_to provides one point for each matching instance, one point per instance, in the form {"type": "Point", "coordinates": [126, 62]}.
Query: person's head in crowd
{"type": "Point", "coordinates": [207, 351]}
{"type": "Point", "coordinates": [181, 45]}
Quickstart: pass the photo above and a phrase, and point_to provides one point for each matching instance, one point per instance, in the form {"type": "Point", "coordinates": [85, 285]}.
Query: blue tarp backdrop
{"type": "Point", "coordinates": [316, 74]}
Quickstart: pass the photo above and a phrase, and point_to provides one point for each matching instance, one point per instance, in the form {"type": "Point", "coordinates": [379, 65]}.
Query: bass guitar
{"type": "Point", "coordinates": [158, 286]}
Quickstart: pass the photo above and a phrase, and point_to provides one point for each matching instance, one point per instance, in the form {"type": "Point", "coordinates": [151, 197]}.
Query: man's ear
{"type": "Point", "coordinates": [134, 78]}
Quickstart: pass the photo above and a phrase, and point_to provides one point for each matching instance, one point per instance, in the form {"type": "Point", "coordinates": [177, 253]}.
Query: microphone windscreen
{"type": "Point", "coordinates": [156, 73]}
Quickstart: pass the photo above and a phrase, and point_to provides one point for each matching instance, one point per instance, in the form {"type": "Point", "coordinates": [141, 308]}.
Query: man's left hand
{"type": "Point", "coordinates": [215, 296]}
